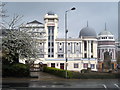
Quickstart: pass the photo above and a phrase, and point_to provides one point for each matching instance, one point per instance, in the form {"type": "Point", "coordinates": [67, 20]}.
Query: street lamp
{"type": "Point", "coordinates": [66, 31]}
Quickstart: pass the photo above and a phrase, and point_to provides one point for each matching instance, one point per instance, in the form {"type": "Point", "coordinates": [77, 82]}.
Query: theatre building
{"type": "Point", "coordinates": [81, 51]}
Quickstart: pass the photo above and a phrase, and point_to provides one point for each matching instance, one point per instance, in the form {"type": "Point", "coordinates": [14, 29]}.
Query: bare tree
{"type": "Point", "coordinates": [15, 22]}
{"type": "Point", "coordinates": [2, 15]}
{"type": "Point", "coordinates": [16, 43]}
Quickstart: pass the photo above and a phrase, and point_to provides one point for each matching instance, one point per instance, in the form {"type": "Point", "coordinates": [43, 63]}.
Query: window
{"type": "Point", "coordinates": [48, 55]}
{"type": "Point", "coordinates": [68, 43]}
{"type": "Point", "coordinates": [53, 65]}
{"type": "Point", "coordinates": [40, 33]}
{"type": "Point", "coordinates": [52, 31]}
{"type": "Point", "coordinates": [60, 49]}
{"type": "Point", "coordinates": [85, 65]}
{"type": "Point", "coordinates": [48, 44]}
{"type": "Point", "coordinates": [60, 43]}
{"type": "Point", "coordinates": [48, 31]}
{"type": "Point", "coordinates": [40, 43]}
{"type": "Point", "coordinates": [52, 37]}
{"type": "Point", "coordinates": [92, 66]}
{"type": "Point", "coordinates": [91, 46]}
{"type": "Point", "coordinates": [57, 64]}
{"type": "Point", "coordinates": [85, 45]}
{"type": "Point", "coordinates": [110, 37]}
{"type": "Point", "coordinates": [50, 20]}
{"type": "Point", "coordinates": [41, 50]}
{"type": "Point", "coordinates": [50, 41]}
{"type": "Point", "coordinates": [48, 37]}
{"type": "Point", "coordinates": [91, 56]}
{"type": "Point", "coordinates": [49, 50]}
{"type": "Point", "coordinates": [52, 44]}
{"type": "Point", "coordinates": [60, 55]}
{"type": "Point", "coordinates": [85, 55]}
{"type": "Point", "coordinates": [62, 66]}
{"type": "Point", "coordinates": [75, 65]}
{"type": "Point", "coordinates": [52, 55]}
{"type": "Point", "coordinates": [41, 56]}
{"type": "Point", "coordinates": [52, 50]}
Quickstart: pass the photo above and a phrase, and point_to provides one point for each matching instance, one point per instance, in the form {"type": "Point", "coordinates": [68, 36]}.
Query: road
{"type": "Point", "coordinates": [45, 80]}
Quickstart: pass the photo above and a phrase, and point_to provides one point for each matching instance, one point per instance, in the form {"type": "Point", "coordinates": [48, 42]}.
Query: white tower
{"type": "Point", "coordinates": [51, 28]}
{"type": "Point", "coordinates": [106, 43]}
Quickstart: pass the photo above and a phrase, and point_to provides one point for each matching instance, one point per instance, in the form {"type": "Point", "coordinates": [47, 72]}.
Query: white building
{"type": "Point", "coordinates": [81, 51]}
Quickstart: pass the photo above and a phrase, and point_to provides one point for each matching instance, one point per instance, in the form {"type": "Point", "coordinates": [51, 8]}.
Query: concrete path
{"type": "Point", "coordinates": [45, 76]}
{"type": "Point", "coordinates": [46, 80]}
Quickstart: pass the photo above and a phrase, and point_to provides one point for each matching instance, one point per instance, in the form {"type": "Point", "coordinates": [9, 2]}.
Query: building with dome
{"type": "Point", "coordinates": [81, 51]}
{"type": "Point", "coordinates": [106, 50]}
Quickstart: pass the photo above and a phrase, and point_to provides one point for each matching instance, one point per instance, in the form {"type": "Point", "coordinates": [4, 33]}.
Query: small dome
{"type": "Point", "coordinates": [105, 32]}
{"type": "Point", "coordinates": [50, 13]}
{"type": "Point", "coordinates": [87, 31]}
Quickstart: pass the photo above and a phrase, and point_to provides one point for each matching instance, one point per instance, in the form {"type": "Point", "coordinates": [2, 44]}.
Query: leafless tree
{"type": "Point", "coordinates": [16, 43]}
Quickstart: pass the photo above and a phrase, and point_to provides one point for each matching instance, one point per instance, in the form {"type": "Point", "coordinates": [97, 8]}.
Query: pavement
{"type": "Point", "coordinates": [45, 80]}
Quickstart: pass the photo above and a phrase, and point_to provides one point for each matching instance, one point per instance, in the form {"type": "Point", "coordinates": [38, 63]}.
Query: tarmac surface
{"type": "Point", "coordinates": [45, 80]}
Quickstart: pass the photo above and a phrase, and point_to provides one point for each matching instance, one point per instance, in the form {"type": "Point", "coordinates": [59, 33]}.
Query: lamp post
{"type": "Point", "coordinates": [66, 31]}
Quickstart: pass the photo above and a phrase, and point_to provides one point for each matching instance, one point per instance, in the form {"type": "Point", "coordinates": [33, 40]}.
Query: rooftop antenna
{"type": "Point", "coordinates": [105, 26]}
{"type": "Point", "coordinates": [87, 23]}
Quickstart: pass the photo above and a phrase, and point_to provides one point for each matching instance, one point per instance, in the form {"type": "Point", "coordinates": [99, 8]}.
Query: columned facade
{"type": "Point", "coordinates": [106, 44]}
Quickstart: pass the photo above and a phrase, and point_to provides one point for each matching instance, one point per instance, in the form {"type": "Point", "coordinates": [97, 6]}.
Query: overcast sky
{"type": "Point", "coordinates": [97, 13]}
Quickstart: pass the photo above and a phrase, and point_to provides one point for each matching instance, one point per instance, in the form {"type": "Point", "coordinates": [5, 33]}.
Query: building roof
{"type": "Point", "coordinates": [35, 21]}
{"type": "Point", "coordinates": [105, 32]}
{"type": "Point", "coordinates": [50, 13]}
{"type": "Point", "coordinates": [87, 32]}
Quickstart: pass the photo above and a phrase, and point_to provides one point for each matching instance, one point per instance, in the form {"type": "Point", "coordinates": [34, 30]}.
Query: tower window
{"type": "Point", "coordinates": [49, 44]}
{"type": "Point", "coordinates": [60, 49]}
{"type": "Point", "coordinates": [50, 20]}
{"type": "Point", "coordinates": [52, 37]}
{"type": "Point", "coordinates": [49, 50]}
{"type": "Point", "coordinates": [52, 44]}
{"type": "Point", "coordinates": [52, 50]}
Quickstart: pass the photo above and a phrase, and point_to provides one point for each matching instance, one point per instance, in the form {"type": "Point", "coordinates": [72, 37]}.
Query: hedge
{"type": "Point", "coordinates": [57, 72]}
{"type": "Point", "coordinates": [78, 75]}
{"type": "Point", "coordinates": [15, 70]}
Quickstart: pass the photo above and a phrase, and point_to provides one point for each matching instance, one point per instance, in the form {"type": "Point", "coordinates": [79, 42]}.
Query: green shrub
{"type": "Point", "coordinates": [55, 71]}
{"type": "Point", "coordinates": [84, 71]}
{"type": "Point", "coordinates": [88, 70]}
{"type": "Point", "coordinates": [15, 70]}
{"type": "Point", "coordinates": [77, 75]}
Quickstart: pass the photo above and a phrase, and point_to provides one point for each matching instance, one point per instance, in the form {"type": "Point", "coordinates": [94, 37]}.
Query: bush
{"type": "Point", "coordinates": [84, 71]}
{"type": "Point", "coordinates": [77, 75]}
{"type": "Point", "coordinates": [55, 71]}
{"type": "Point", "coordinates": [88, 70]}
{"type": "Point", "coordinates": [15, 70]}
